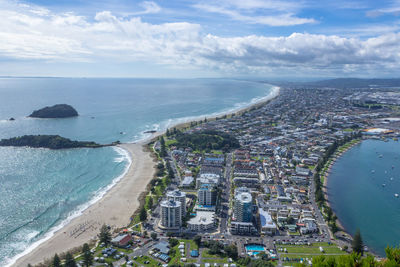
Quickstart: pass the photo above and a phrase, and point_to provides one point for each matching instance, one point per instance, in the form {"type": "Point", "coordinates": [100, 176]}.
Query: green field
{"type": "Point", "coordinates": [304, 251]}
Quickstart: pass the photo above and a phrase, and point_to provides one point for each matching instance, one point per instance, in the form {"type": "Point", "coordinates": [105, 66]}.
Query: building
{"type": "Point", "coordinates": [267, 225]}
{"type": "Point", "coordinates": [243, 228]}
{"type": "Point", "coordinates": [121, 240]}
{"type": "Point", "coordinates": [171, 214]}
{"type": "Point", "coordinates": [207, 178]}
{"type": "Point", "coordinates": [207, 195]}
{"type": "Point", "coordinates": [243, 207]}
{"type": "Point", "coordinates": [203, 221]}
{"type": "Point", "coordinates": [180, 196]}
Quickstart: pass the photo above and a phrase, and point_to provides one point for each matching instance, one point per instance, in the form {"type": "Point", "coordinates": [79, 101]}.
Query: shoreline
{"type": "Point", "coordinates": [114, 208]}
{"type": "Point", "coordinates": [104, 209]}
{"type": "Point", "coordinates": [336, 156]}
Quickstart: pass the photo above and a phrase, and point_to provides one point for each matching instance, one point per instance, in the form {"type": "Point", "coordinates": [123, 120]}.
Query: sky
{"type": "Point", "coordinates": [273, 39]}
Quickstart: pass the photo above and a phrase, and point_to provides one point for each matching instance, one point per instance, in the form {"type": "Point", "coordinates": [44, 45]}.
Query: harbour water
{"type": "Point", "coordinates": [361, 189]}
{"type": "Point", "coordinates": [42, 189]}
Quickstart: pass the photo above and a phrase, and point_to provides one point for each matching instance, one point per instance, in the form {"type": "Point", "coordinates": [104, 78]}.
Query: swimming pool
{"type": "Point", "coordinates": [254, 249]}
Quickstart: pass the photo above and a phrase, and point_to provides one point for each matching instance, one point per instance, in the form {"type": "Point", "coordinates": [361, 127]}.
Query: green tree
{"type": "Point", "coordinates": [357, 244]}
{"type": "Point", "coordinates": [56, 261]}
{"type": "Point", "coordinates": [231, 251]}
{"type": "Point", "coordinates": [393, 255]}
{"type": "Point", "coordinates": [143, 214]}
{"type": "Point", "coordinates": [105, 235]}
{"type": "Point", "coordinates": [154, 235]}
{"type": "Point", "coordinates": [150, 203]}
{"type": "Point", "coordinates": [173, 242]}
{"type": "Point", "coordinates": [87, 255]}
{"type": "Point", "coordinates": [197, 240]}
{"type": "Point", "coordinates": [69, 260]}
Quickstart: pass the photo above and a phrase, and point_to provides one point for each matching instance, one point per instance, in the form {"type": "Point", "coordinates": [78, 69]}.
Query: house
{"type": "Point", "coordinates": [121, 240]}
{"type": "Point", "coordinates": [162, 247]}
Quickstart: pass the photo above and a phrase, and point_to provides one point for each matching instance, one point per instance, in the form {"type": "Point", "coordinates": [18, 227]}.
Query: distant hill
{"type": "Point", "coordinates": [345, 83]}
{"type": "Point", "coordinates": [46, 141]}
{"type": "Point", "coordinates": [56, 111]}
{"type": "Point", "coordinates": [357, 83]}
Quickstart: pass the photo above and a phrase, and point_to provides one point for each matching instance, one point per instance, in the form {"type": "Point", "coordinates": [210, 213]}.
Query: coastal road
{"type": "Point", "coordinates": [226, 185]}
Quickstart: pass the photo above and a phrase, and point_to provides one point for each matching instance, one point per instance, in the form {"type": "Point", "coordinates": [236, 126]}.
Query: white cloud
{"type": "Point", "coordinates": [284, 19]}
{"type": "Point", "coordinates": [106, 37]}
{"type": "Point", "coordinates": [149, 7]}
{"type": "Point", "coordinates": [279, 13]}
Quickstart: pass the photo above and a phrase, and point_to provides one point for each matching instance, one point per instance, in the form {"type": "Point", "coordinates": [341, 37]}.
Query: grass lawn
{"type": "Point", "coordinates": [144, 258]}
{"type": "Point", "coordinates": [170, 142]}
{"type": "Point", "coordinates": [205, 254]}
{"type": "Point", "coordinates": [216, 260]}
{"type": "Point", "coordinates": [295, 252]}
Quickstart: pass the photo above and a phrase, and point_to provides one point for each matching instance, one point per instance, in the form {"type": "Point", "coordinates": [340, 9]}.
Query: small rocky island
{"type": "Point", "coordinates": [56, 111]}
{"type": "Point", "coordinates": [48, 141]}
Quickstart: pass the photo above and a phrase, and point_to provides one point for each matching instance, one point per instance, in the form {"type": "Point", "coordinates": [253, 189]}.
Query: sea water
{"type": "Point", "coordinates": [361, 190]}
{"type": "Point", "coordinates": [41, 189]}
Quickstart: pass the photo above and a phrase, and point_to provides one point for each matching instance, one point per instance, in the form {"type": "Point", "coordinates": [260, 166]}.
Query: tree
{"type": "Point", "coordinates": [197, 240]}
{"type": "Point", "coordinates": [357, 244]}
{"type": "Point", "coordinates": [173, 242]}
{"type": "Point", "coordinates": [56, 261]}
{"type": "Point", "coordinates": [154, 235]}
{"type": "Point", "coordinates": [69, 260]}
{"type": "Point", "coordinates": [143, 214]}
{"type": "Point", "coordinates": [87, 255]}
{"type": "Point", "coordinates": [231, 251]}
{"type": "Point", "coordinates": [105, 235]}
{"type": "Point", "coordinates": [150, 203]}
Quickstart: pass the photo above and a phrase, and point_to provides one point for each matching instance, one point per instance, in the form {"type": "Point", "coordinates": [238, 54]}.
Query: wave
{"type": "Point", "coordinates": [76, 213]}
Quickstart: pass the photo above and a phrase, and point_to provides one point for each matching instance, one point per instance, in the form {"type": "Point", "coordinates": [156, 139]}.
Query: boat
{"type": "Point", "coordinates": [381, 156]}
{"type": "Point", "coordinates": [383, 185]}
{"type": "Point", "coordinates": [391, 178]}
{"type": "Point", "coordinates": [373, 171]}
{"type": "Point", "coordinates": [396, 195]}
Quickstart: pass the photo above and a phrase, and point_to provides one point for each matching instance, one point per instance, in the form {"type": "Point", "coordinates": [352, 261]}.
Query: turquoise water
{"type": "Point", "coordinates": [358, 197]}
{"type": "Point", "coordinates": [255, 248]}
{"type": "Point", "coordinates": [41, 189]}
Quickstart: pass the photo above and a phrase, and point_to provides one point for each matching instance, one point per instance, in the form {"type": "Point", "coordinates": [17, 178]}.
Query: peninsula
{"type": "Point", "coordinates": [56, 111]}
{"type": "Point", "coordinates": [47, 141]}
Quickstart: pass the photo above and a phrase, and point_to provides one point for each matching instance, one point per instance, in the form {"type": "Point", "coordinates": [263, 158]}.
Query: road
{"type": "Point", "coordinates": [226, 185]}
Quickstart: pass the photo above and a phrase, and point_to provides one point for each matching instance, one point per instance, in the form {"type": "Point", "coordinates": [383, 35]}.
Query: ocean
{"type": "Point", "coordinates": [361, 188]}
{"type": "Point", "coordinates": [43, 189]}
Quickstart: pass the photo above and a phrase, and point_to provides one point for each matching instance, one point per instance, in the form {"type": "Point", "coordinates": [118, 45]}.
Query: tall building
{"type": "Point", "coordinates": [207, 195]}
{"type": "Point", "coordinates": [243, 207]}
{"type": "Point", "coordinates": [171, 216]}
{"type": "Point", "coordinates": [180, 196]}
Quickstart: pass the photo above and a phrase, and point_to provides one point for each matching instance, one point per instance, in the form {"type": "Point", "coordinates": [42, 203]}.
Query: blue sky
{"type": "Point", "coordinates": [220, 38]}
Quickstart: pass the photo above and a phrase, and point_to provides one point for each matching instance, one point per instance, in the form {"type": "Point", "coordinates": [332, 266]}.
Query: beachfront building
{"type": "Point", "coordinates": [171, 214]}
{"type": "Point", "coordinates": [243, 207]}
{"type": "Point", "coordinates": [203, 221]}
{"type": "Point", "coordinates": [267, 225]}
{"type": "Point", "coordinates": [207, 195]}
{"type": "Point", "coordinates": [180, 196]}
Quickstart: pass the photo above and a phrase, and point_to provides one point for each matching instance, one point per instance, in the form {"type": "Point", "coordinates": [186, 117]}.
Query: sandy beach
{"type": "Point", "coordinates": [113, 209]}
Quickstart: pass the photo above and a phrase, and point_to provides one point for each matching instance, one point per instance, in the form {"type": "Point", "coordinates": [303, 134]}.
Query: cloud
{"type": "Point", "coordinates": [106, 37]}
{"type": "Point", "coordinates": [280, 13]}
{"type": "Point", "coordinates": [393, 9]}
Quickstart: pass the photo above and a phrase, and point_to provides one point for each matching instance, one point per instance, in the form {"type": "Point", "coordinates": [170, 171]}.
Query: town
{"type": "Point", "coordinates": [248, 187]}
